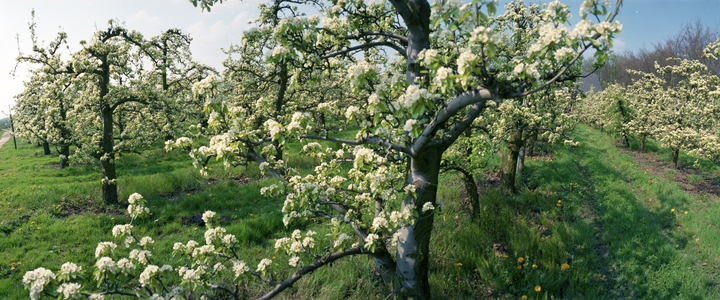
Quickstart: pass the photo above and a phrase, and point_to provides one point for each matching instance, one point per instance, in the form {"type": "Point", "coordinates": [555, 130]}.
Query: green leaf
{"type": "Point", "coordinates": [418, 109]}
{"type": "Point", "coordinates": [491, 9]}
{"type": "Point", "coordinates": [482, 16]}
{"type": "Point", "coordinates": [490, 50]}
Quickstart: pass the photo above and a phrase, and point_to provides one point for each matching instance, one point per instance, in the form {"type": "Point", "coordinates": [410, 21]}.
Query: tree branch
{"type": "Point", "coordinates": [364, 141]}
{"type": "Point", "coordinates": [478, 96]}
{"type": "Point", "coordinates": [312, 267]}
{"type": "Point", "coordinates": [368, 45]}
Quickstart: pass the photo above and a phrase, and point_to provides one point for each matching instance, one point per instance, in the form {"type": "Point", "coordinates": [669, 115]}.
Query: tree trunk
{"type": "Point", "coordinates": [520, 165]}
{"type": "Point", "coordinates": [675, 156]}
{"type": "Point", "coordinates": [642, 142]}
{"type": "Point", "coordinates": [107, 159]}
{"type": "Point", "coordinates": [46, 148]}
{"type": "Point", "coordinates": [626, 140]}
{"type": "Point", "coordinates": [413, 262]}
{"type": "Point", "coordinates": [65, 152]}
{"type": "Point", "coordinates": [471, 188]}
{"type": "Point", "coordinates": [601, 127]}
{"type": "Point", "coordinates": [530, 145]}
{"type": "Point", "coordinates": [508, 162]}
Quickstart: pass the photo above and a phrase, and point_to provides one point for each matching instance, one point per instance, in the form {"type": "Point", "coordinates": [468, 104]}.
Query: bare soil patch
{"type": "Point", "coordinates": [85, 204]}
{"type": "Point", "coordinates": [650, 163]}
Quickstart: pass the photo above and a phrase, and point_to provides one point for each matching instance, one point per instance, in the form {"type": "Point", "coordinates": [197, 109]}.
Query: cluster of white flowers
{"type": "Point", "coordinates": [125, 266]}
{"type": "Point", "coordinates": [279, 51]}
{"type": "Point", "coordinates": [582, 29]}
{"type": "Point", "coordinates": [37, 279]}
{"type": "Point", "coordinates": [214, 234]}
{"type": "Point", "coordinates": [136, 207]}
{"type": "Point", "coordinates": [202, 250]}
{"type": "Point", "coordinates": [483, 35]}
{"type": "Point", "coordinates": [352, 111]}
{"type": "Point", "coordinates": [263, 263]}
{"type": "Point", "coordinates": [140, 256]}
{"type": "Point", "coordinates": [121, 229]}
{"type": "Point", "coordinates": [361, 69]}
{"type": "Point", "coordinates": [605, 28]}
{"type": "Point", "coordinates": [134, 198]}
{"type": "Point", "coordinates": [69, 290]}
{"type": "Point", "coordinates": [341, 239]}
{"type": "Point", "coordinates": [549, 33]}
{"type": "Point", "coordinates": [293, 261]}
{"type": "Point", "coordinates": [104, 248]}
{"type": "Point", "coordinates": [465, 60]}
{"type": "Point", "coordinates": [204, 86]}
{"type": "Point", "coordinates": [527, 69]}
{"type": "Point", "coordinates": [181, 142]}
{"type": "Point", "coordinates": [442, 74]}
{"type": "Point", "coordinates": [145, 241]}
{"type": "Point", "coordinates": [207, 217]}
{"type": "Point", "coordinates": [563, 53]}
{"type": "Point", "coordinates": [147, 274]}
{"type": "Point", "coordinates": [370, 240]}
{"type": "Point", "coordinates": [240, 267]}
{"type": "Point", "coordinates": [409, 124]}
{"type": "Point", "coordinates": [275, 128]}
{"type": "Point", "coordinates": [427, 206]}
{"type": "Point", "coordinates": [69, 268]}
{"type": "Point", "coordinates": [229, 240]}
{"type": "Point", "coordinates": [106, 264]}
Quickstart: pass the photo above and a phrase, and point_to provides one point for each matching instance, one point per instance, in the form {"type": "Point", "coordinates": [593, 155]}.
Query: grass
{"type": "Point", "coordinates": [589, 207]}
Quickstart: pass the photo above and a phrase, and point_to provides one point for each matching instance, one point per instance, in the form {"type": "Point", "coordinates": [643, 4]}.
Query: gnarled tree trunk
{"type": "Point", "coordinates": [508, 162]}
{"type": "Point", "coordinates": [413, 263]}
{"type": "Point", "coordinates": [107, 159]}
{"type": "Point", "coordinates": [642, 142]}
{"type": "Point", "coordinates": [675, 156]}
{"type": "Point", "coordinates": [65, 152]}
{"type": "Point", "coordinates": [46, 148]}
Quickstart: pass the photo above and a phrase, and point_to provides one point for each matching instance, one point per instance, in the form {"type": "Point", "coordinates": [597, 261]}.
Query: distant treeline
{"type": "Point", "coordinates": [4, 124]}
{"type": "Point", "coordinates": [687, 43]}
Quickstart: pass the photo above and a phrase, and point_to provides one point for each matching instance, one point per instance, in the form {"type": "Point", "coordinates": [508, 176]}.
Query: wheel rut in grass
{"type": "Point", "coordinates": [589, 212]}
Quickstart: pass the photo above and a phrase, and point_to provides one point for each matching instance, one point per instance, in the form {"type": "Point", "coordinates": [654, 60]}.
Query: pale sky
{"type": "Point", "coordinates": [645, 21]}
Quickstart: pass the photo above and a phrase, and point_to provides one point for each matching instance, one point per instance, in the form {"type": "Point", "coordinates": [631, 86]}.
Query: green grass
{"type": "Point", "coordinates": [587, 206]}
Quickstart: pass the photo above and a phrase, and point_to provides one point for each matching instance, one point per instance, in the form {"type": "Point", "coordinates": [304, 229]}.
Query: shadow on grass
{"type": "Point", "coordinates": [633, 247]}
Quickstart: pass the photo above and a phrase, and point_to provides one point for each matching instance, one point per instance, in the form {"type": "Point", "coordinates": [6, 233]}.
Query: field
{"type": "Point", "coordinates": [626, 224]}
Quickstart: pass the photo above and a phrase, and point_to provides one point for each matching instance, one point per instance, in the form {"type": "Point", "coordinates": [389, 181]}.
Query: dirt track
{"type": "Point", "coordinates": [6, 137]}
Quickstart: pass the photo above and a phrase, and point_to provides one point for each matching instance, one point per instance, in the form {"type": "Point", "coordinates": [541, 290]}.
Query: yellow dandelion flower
{"type": "Point", "coordinates": [524, 297]}
{"type": "Point", "coordinates": [672, 210]}
{"type": "Point", "coordinates": [459, 264]}
{"type": "Point", "coordinates": [537, 288]}
{"type": "Point", "coordinates": [519, 267]}
{"type": "Point", "coordinates": [686, 212]}
{"type": "Point", "coordinates": [520, 259]}
{"type": "Point", "coordinates": [534, 266]}
{"type": "Point", "coordinates": [505, 255]}
{"type": "Point", "coordinates": [559, 201]}
{"type": "Point", "coordinates": [564, 267]}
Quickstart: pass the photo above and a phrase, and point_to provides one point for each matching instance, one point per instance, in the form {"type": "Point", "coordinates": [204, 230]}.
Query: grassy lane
{"type": "Point", "coordinates": [645, 243]}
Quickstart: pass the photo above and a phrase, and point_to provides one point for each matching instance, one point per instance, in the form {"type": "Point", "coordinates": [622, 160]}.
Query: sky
{"type": "Point", "coordinates": [645, 22]}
